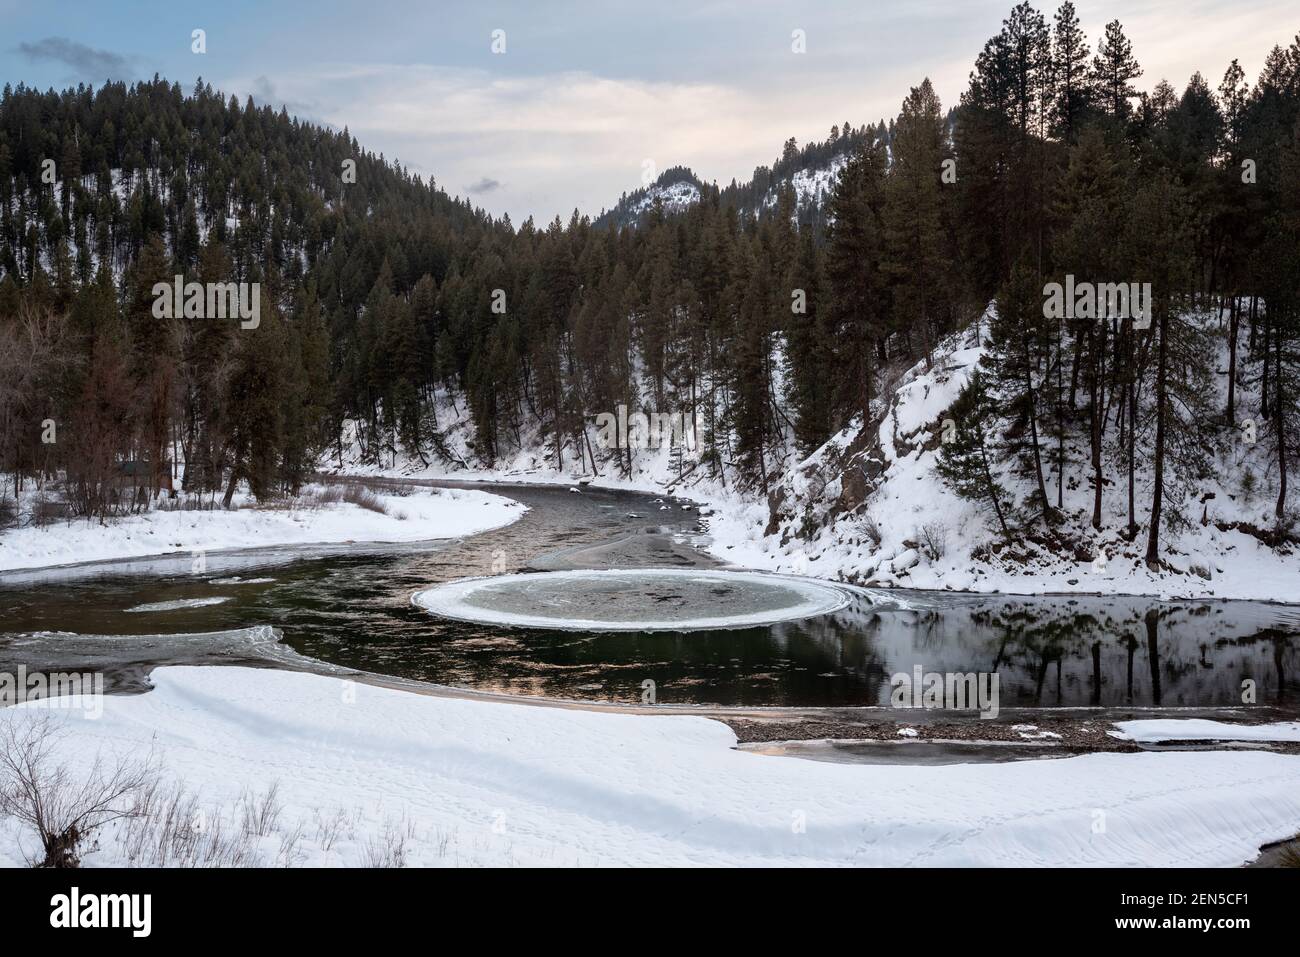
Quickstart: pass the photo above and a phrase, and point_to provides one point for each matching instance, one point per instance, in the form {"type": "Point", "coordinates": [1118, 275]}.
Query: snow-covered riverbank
{"type": "Point", "coordinates": [401, 515]}
{"type": "Point", "coordinates": [1240, 566]}
{"type": "Point", "coordinates": [365, 773]}
{"type": "Point", "coordinates": [874, 510]}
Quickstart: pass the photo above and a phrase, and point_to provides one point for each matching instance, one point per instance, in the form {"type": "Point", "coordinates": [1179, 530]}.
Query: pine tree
{"type": "Point", "coordinates": [916, 245]}
{"type": "Point", "coordinates": [854, 250]}
{"type": "Point", "coordinates": [809, 353]}
{"type": "Point", "coordinates": [1069, 72]}
{"type": "Point", "coordinates": [966, 462]}
{"type": "Point", "coordinates": [1114, 69]}
{"type": "Point", "coordinates": [1017, 339]}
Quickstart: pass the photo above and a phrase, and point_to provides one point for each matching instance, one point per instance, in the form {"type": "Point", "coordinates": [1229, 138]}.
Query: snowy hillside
{"type": "Point", "coordinates": [675, 197]}
{"type": "Point", "coordinates": [679, 188]}
{"type": "Point", "coordinates": [812, 187]}
{"type": "Point", "coordinates": [882, 515]}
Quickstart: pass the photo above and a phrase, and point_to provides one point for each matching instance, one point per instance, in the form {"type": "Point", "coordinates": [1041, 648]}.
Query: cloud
{"type": "Point", "coordinates": [87, 63]}
{"type": "Point", "coordinates": [264, 93]}
{"type": "Point", "coordinates": [552, 141]}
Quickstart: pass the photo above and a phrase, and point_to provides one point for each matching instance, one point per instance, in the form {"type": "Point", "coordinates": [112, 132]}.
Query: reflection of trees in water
{"type": "Point", "coordinates": [1046, 651]}
{"type": "Point", "coordinates": [1123, 651]}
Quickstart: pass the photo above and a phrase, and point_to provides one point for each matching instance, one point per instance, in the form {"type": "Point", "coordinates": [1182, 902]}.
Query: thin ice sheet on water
{"type": "Point", "coordinates": [644, 599]}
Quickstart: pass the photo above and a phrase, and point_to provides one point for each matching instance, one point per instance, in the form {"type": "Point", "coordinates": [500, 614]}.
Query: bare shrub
{"type": "Point", "coordinates": [870, 526]}
{"type": "Point", "coordinates": [328, 495]}
{"type": "Point", "coordinates": [63, 807]}
{"type": "Point", "coordinates": [289, 854]}
{"type": "Point", "coordinates": [933, 537]}
{"type": "Point", "coordinates": [46, 511]}
{"type": "Point", "coordinates": [312, 499]}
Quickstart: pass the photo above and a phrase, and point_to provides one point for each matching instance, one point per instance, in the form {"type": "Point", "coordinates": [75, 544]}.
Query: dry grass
{"type": "Point", "coordinates": [387, 850]}
{"type": "Point", "coordinates": [328, 495]}
{"type": "Point", "coordinates": [260, 814]}
{"type": "Point", "coordinates": [872, 529]}
{"type": "Point", "coordinates": [174, 830]}
{"type": "Point", "coordinates": [1290, 855]}
{"type": "Point", "coordinates": [363, 497]}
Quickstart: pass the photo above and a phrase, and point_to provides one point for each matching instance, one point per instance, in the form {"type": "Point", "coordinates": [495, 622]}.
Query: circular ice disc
{"type": "Point", "coordinates": [642, 599]}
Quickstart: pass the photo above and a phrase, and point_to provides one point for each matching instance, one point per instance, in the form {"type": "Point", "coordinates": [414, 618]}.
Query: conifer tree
{"type": "Point", "coordinates": [1017, 339]}
{"type": "Point", "coordinates": [966, 462]}
{"type": "Point", "coordinates": [1069, 72]}
{"type": "Point", "coordinates": [916, 248]}
{"type": "Point", "coordinates": [1114, 69]}
{"type": "Point", "coordinates": [854, 252]}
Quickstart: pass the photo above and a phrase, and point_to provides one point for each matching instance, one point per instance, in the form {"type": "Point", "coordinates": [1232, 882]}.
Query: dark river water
{"type": "Point", "coordinates": [350, 606]}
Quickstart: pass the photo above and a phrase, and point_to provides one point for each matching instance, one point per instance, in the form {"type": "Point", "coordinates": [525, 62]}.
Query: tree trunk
{"type": "Point", "coordinates": [1033, 432]}
{"type": "Point", "coordinates": [1234, 320]}
{"type": "Point", "coordinates": [1096, 416]}
{"type": "Point", "coordinates": [1157, 496]}
{"type": "Point", "coordinates": [230, 489]}
{"type": "Point", "coordinates": [993, 494]}
{"type": "Point", "coordinates": [1132, 433]}
{"type": "Point", "coordinates": [1278, 406]}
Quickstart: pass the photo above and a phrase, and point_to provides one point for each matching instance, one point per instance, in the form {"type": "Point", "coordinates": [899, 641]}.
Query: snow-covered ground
{"type": "Point", "coordinates": [413, 514]}
{"type": "Point", "coordinates": [364, 773]}
{"type": "Point", "coordinates": [1156, 730]}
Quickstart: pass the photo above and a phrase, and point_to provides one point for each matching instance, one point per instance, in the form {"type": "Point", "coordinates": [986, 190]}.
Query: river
{"type": "Point", "coordinates": [349, 607]}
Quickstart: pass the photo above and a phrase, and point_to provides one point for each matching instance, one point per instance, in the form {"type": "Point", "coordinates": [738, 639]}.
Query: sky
{"type": "Point", "coordinates": [586, 95]}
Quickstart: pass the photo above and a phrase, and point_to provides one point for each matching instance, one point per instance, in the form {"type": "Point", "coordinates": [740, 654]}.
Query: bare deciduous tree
{"type": "Point", "coordinates": [63, 805]}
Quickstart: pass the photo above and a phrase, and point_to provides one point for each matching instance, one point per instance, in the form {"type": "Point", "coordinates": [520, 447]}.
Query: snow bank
{"type": "Point", "coordinates": [415, 515]}
{"type": "Point", "coordinates": [475, 782]}
{"type": "Point", "coordinates": [1200, 729]}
